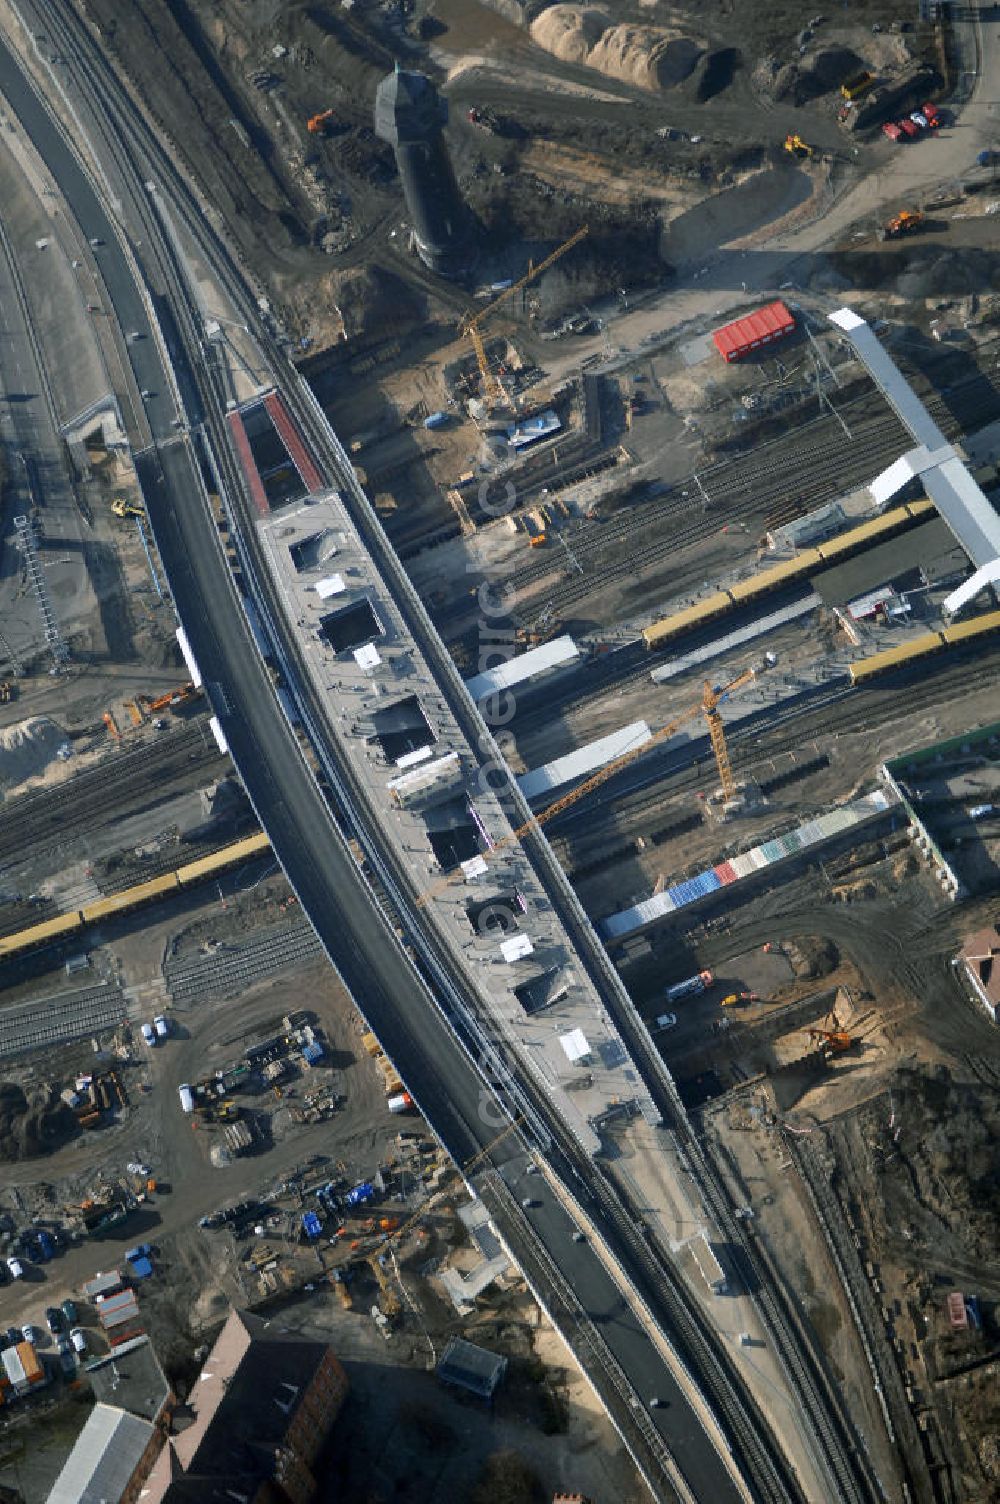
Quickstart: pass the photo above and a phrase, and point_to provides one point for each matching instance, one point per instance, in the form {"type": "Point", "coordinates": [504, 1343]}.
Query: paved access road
{"type": "Point", "coordinates": [292, 809]}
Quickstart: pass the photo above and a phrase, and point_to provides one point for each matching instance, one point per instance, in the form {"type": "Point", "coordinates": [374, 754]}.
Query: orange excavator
{"type": "Point", "coordinates": [316, 124]}
{"type": "Point", "coordinates": [831, 1037]}
{"type": "Point", "coordinates": [172, 700]}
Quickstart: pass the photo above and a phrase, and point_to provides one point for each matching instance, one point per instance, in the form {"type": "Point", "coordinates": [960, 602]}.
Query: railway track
{"type": "Point", "coordinates": [817, 463]}
{"type": "Point", "coordinates": [66, 1016]}
{"type": "Point", "coordinates": [869, 1323]}
{"type": "Point", "coordinates": [738, 1413]}
{"type": "Point", "coordinates": [126, 782]}
{"type": "Point", "coordinates": [841, 711]}
{"type": "Point", "coordinates": [230, 971]}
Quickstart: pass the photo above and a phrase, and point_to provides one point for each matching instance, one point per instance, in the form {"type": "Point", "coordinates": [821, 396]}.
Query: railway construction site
{"type": "Point", "coordinates": [685, 429]}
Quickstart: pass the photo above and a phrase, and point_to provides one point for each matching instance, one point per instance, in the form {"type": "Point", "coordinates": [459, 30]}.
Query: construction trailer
{"type": "Point", "coordinates": [754, 332]}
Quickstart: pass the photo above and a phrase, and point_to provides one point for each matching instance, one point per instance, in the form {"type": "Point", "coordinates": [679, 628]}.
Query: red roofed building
{"type": "Point", "coordinates": [754, 332]}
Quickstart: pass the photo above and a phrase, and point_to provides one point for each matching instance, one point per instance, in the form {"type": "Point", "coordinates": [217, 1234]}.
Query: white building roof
{"type": "Point", "coordinates": [107, 1451]}
{"type": "Point", "coordinates": [367, 657]}
{"type": "Point", "coordinates": [525, 666]}
{"type": "Point", "coordinates": [584, 760]}
{"type": "Point", "coordinates": [332, 585]}
{"type": "Point", "coordinates": [410, 759]}
{"type": "Point", "coordinates": [575, 1045]}
{"type": "Point", "coordinates": [516, 948]}
{"type": "Point", "coordinates": [951, 488]}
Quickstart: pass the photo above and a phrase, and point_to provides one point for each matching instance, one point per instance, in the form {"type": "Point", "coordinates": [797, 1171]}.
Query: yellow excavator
{"type": "Point", "coordinates": [797, 147]}
{"type": "Point", "coordinates": [122, 507]}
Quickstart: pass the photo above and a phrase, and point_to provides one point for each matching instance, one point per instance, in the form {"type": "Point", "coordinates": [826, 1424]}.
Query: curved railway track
{"type": "Point", "coordinates": [849, 1473]}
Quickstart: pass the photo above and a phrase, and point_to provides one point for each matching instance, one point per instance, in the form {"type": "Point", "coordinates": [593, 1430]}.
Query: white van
{"type": "Point", "coordinates": [78, 1339]}
{"type": "Point", "coordinates": [161, 1025]}
{"type": "Point", "coordinates": [148, 1035]}
{"type": "Point", "coordinates": [15, 1267]}
{"type": "Point", "coordinates": [187, 1097]}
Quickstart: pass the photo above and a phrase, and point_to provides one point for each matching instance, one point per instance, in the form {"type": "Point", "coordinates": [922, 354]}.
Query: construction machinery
{"type": "Point", "coordinates": [134, 713]}
{"type": "Point", "coordinates": [735, 998]}
{"type": "Point", "coordinates": [473, 324]}
{"type": "Point", "coordinates": [831, 1037]}
{"type": "Point", "coordinates": [172, 700]}
{"type": "Point", "coordinates": [316, 125]}
{"type": "Point", "coordinates": [708, 706]}
{"type": "Point", "coordinates": [122, 507]}
{"type": "Point", "coordinates": [902, 223]}
{"type": "Point", "coordinates": [797, 147]}
{"type": "Point", "coordinates": [112, 725]}
{"type": "Point", "coordinates": [390, 1301]}
{"type": "Point", "coordinates": [857, 85]}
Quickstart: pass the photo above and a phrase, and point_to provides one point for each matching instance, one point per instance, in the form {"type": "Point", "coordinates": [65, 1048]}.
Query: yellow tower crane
{"type": "Point", "coordinates": [473, 324]}
{"type": "Point", "coordinates": [708, 706]}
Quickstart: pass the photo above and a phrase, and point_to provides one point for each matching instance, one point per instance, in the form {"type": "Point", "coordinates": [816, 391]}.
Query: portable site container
{"type": "Point", "coordinates": [754, 331]}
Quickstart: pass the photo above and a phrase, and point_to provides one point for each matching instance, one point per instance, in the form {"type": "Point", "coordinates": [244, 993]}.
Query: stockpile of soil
{"type": "Point", "coordinates": [651, 57]}
{"type": "Point", "coordinates": [29, 750]}
{"type": "Point", "coordinates": [33, 1124]}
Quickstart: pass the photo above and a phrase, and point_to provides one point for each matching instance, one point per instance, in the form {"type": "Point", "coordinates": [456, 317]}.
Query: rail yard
{"type": "Point", "coordinates": [499, 751]}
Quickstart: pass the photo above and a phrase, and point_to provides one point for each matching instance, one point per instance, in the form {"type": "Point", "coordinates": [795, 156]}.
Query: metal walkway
{"type": "Point", "coordinates": [951, 488]}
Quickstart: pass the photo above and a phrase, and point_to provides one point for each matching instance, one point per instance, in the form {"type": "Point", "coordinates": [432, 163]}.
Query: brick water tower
{"type": "Point", "coordinates": [409, 114]}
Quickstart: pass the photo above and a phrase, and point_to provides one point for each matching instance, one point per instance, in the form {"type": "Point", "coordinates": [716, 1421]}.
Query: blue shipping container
{"type": "Point", "coordinates": [311, 1225]}
{"type": "Point", "coordinates": [361, 1193]}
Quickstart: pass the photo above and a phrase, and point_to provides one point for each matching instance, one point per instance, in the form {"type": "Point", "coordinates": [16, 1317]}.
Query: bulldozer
{"type": "Point", "coordinates": [902, 223]}
{"type": "Point", "coordinates": [795, 145]}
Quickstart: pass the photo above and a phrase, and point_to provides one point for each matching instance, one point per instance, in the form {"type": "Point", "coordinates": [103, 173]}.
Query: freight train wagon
{"type": "Point", "coordinates": [924, 646]}
{"type": "Point", "coordinates": [808, 562]}
{"type": "Point", "coordinates": [116, 904]}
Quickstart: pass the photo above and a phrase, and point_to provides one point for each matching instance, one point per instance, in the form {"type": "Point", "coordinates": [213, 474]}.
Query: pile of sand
{"type": "Point", "coordinates": [651, 57]}
{"type": "Point", "coordinates": [28, 750]}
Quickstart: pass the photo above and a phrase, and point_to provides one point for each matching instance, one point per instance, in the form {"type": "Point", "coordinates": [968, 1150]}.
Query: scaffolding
{"type": "Point", "coordinates": [27, 542]}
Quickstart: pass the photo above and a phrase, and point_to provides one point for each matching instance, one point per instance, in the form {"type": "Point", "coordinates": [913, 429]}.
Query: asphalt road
{"type": "Point", "coordinates": [356, 936]}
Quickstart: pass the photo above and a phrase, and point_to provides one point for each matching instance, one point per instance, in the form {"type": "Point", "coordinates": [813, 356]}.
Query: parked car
{"type": "Point", "coordinates": [54, 1320]}
{"type": "Point", "coordinates": [46, 1245]}
{"type": "Point", "coordinates": [69, 1311]}
{"type": "Point", "coordinates": [28, 1332]}
{"type": "Point", "coordinates": [15, 1268]}
{"type": "Point", "coordinates": [148, 1034]}
{"type": "Point", "coordinates": [136, 1167]}
{"type": "Point", "coordinates": [12, 1336]}
{"type": "Point", "coordinates": [67, 1357]}
{"type": "Point", "coordinates": [79, 1339]}
{"type": "Point", "coordinates": [161, 1025]}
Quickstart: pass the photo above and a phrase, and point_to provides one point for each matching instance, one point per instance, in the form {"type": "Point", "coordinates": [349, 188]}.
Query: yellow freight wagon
{"type": "Point", "coordinates": [41, 934]}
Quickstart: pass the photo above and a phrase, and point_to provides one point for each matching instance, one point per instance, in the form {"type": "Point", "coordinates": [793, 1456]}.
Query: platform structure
{"type": "Point", "coordinates": [942, 473]}
{"type": "Point", "coordinates": [527, 987]}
